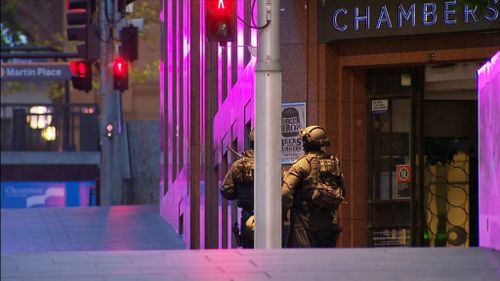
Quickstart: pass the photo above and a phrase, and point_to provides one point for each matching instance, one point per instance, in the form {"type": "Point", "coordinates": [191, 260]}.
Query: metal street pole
{"type": "Point", "coordinates": [268, 129]}
{"type": "Point", "coordinates": [66, 112]}
{"type": "Point", "coordinates": [109, 173]}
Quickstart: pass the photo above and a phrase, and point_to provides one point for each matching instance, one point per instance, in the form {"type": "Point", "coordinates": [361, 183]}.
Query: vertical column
{"type": "Point", "coordinates": [268, 129]}
{"type": "Point", "coordinates": [110, 176]}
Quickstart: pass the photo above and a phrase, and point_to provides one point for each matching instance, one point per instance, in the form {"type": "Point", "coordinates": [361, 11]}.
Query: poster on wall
{"type": "Point", "coordinates": [293, 118]}
{"type": "Point", "coordinates": [403, 174]}
{"type": "Point", "coordinates": [391, 237]}
{"type": "Point", "coordinates": [27, 194]}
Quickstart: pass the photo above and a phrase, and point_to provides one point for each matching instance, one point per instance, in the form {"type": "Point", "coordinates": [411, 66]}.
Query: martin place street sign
{"type": "Point", "coordinates": [35, 71]}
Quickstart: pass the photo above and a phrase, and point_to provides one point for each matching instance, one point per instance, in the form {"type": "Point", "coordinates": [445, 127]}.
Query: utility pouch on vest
{"type": "Point", "coordinates": [246, 169]}
{"type": "Point", "coordinates": [326, 191]}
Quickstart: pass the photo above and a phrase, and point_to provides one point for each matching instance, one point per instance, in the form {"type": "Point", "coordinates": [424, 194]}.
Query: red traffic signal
{"type": "Point", "coordinates": [220, 20]}
{"type": "Point", "coordinates": [79, 68]}
{"type": "Point", "coordinates": [80, 27]}
{"type": "Point", "coordinates": [81, 72]}
{"type": "Point", "coordinates": [120, 74]}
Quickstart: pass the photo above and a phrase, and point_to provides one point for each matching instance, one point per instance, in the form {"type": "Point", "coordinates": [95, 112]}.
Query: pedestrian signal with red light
{"type": "Point", "coordinates": [220, 21]}
{"type": "Point", "coordinates": [120, 74]}
{"type": "Point", "coordinates": [81, 75]}
{"type": "Point", "coordinates": [110, 130]}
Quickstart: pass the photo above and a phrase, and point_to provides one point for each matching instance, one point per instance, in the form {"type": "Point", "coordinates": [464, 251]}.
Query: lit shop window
{"type": "Point", "coordinates": [39, 117]}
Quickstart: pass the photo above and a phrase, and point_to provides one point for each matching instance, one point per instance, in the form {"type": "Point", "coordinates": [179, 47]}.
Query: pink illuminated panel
{"type": "Point", "coordinates": [489, 153]}
{"type": "Point", "coordinates": [234, 111]}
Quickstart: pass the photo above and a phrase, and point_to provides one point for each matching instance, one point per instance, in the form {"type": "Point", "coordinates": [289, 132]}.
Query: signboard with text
{"type": "Point", "coordinates": [380, 106]}
{"type": "Point", "coordinates": [355, 19]}
{"type": "Point", "coordinates": [35, 71]}
{"type": "Point", "coordinates": [403, 173]}
{"type": "Point", "coordinates": [293, 118]}
{"type": "Point", "coordinates": [391, 237]}
{"type": "Point", "coordinates": [403, 179]}
{"type": "Point", "coordinates": [28, 194]}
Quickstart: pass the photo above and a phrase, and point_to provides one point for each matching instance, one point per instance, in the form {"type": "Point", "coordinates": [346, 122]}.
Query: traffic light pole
{"type": "Point", "coordinates": [268, 129]}
{"type": "Point", "coordinates": [111, 182]}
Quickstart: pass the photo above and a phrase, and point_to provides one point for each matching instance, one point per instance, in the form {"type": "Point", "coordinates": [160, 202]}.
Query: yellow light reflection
{"type": "Point", "coordinates": [49, 133]}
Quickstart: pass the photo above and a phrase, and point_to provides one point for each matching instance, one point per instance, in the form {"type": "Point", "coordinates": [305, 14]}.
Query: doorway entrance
{"type": "Point", "coordinates": [391, 133]}
{"type": "Point", "coordinates": [422, 163]}
{"type": "Point", "coordinates": [448, 180]}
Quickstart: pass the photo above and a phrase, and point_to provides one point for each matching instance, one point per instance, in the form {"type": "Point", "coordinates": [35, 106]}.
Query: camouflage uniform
{"type": "Point", "coordinates": [238, 185]}
{"type": "Point", "coordinates": [311, 225]}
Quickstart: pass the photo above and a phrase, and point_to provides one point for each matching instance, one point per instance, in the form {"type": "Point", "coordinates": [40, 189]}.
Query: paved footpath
{"type": "Point", "coordinates": [94, 228]}
{"type": "Point", "coordinates": [115, 253]}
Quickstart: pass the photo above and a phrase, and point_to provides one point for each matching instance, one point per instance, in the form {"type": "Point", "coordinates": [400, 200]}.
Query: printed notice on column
{"type": "Point", "coordinates": [293, 118]}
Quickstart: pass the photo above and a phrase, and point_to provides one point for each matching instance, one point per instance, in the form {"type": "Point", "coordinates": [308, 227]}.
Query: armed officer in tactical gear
{"type": "Point", "coordinates": [238, 185]}
{"type": "Point", "coordinates": [313, 189]}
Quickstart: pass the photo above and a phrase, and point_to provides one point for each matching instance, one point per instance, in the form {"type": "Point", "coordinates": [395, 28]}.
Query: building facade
{"type": "Point", "coordinates": [393, 84]}
{"type": "Point", "coordinates": [68, 162]}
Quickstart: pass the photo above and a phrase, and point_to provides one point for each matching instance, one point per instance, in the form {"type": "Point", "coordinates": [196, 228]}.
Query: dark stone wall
{"type": "Point", "coordinates": [144, 148]}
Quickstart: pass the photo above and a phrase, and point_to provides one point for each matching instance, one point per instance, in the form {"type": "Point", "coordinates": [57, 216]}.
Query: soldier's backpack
{"type": "Point", "coordinates": [245, 182]}
{"type": "Point", "coordinates": [246, 168]}
{"type": "Point", "coordinates": [326, 189]}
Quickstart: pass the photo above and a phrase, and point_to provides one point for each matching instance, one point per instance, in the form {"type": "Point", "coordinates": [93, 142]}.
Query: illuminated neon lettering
{"type": "Point", "coordinates": [429, 17]}
{"type": "Point", "coordinates": [468, 12]}
{"type": "Point", "coordinates": [335, 20]}
{"type": "Point", "coordinates": [449, 11]}
{"type": "Point", "coordinates": [384, 17]}
{"type": "Point", "coordinates": [494, 12]}
{"type": "Point", "coordinates": [403, 14]}
{"type": "Point", "coordinates": [358, 18]}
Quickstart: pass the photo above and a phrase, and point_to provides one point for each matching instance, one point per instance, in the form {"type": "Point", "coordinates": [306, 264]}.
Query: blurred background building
{"type": "Point", "coordinates": [50, 131]}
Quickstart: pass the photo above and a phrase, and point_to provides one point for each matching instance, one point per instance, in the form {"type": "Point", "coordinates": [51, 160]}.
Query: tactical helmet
{"type": "Point", "coordinates": [314, 136]}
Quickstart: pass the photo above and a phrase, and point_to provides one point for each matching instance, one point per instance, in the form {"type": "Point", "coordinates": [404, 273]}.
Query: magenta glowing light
{"type": "Point", "coordinates": [176, 105]}
{"type": "Point", "coordinates": [488, 86]}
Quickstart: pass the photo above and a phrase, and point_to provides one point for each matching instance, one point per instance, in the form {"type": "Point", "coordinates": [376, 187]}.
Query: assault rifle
{"type": "Point", "coordinates": [234, 152]}
{"type": "Point", "coordinates": [237, 235]}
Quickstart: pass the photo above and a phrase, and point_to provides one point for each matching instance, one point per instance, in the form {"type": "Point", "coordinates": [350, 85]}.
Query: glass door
{"type": "Point", "coordinates": [390, 161]}
{"type": "Point", "coordinates": [449, 187]}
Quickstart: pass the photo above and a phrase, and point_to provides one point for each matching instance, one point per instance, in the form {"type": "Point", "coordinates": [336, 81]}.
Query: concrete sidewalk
{"type": "Point", "coordinates": [130, 243]}
{"type": "Point", "coordinates": [93, 228]}
{"type": "Point", "coordinates": [398, 264]}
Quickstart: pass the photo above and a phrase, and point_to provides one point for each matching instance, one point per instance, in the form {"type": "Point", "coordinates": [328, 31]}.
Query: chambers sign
{"type": "Point", "coordinates": [353, 19]}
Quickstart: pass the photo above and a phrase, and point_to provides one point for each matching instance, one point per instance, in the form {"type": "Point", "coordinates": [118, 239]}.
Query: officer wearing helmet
{"type": "Point", "coordinates": [238, 185]}
{"type": "Point", "coordinates": [312, 189]}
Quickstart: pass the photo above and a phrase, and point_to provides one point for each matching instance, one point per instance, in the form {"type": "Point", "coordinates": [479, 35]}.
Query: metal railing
{"type": "Point", "coordinates": [49, 127]}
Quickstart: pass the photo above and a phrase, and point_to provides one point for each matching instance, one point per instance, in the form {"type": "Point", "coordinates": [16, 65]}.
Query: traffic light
{"type": "Point", "coordinates": [129, 36]}
{"type": "Point", "coordinates": [220, 21]}
{"type": "Point", "coordinates": [120, 74]}
{"type": "Point", "coordinates": [81, 75]}
{"type": "Point", "coordinates": [81, 27]}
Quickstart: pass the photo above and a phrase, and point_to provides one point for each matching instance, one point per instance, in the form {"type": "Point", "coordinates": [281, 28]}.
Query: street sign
{"type": "Point", "coordinates": [35, 71]}
{"type": "Point", "coordinates": [403, 173]}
